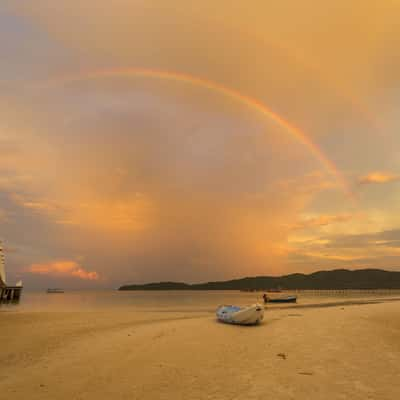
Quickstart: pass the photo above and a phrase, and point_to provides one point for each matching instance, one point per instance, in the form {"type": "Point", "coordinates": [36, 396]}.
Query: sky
{"type": "Point", "coordinates": [195, 141]}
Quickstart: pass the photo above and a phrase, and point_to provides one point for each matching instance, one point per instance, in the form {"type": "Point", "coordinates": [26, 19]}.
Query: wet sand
{"type": "Point", "coordinates": [346, 351]}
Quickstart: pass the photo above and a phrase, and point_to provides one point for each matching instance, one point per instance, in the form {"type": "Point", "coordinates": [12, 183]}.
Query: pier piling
{"type": "Point", "coordinates": [10, 293]}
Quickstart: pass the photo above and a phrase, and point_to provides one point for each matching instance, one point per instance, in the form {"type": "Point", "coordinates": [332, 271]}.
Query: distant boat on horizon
{"type": "Point", "coordinates": [55, 290]}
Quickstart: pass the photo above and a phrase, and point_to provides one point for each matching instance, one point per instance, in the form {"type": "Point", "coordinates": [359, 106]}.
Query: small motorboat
{"type": "Point", "coordinates": [280, 299]}
{"type": "Point", "coordinates": [250, 315]}
{"type": "Point", "coordinates": [55, 290]}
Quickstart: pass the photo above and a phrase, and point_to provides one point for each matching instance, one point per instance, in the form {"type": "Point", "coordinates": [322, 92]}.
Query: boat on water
{"type": "Point", "coordinates": [250, 315]}
{"type": "Point", "coordinates": [280, 299]}
{"type": "Point", "coordinates": [55, 290]}
{"type": "Point", "coordinates": [7, 292]}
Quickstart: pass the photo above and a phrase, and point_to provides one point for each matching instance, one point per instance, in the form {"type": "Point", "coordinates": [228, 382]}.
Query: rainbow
{"type": "Point", "coordinates": [233, 94]}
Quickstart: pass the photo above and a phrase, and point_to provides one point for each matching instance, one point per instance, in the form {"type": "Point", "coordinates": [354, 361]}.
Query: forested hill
{"type": "Point", "coordinates": [334, 279]}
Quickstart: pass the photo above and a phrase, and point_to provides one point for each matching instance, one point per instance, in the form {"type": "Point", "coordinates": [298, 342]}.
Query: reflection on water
{"type": "Point", "coordinates": [9, 302]}
{"type": "Point", "coordinates": [168, 301]}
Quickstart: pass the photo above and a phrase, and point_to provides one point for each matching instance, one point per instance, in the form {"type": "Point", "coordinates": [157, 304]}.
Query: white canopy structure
{"type": "Point", "coordinates": [2, 267]}
{"type": "Point", "coordinates": [7, 293]}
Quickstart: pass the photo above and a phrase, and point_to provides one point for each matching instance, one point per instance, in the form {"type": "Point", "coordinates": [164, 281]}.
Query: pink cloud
{"type": "Point", "coordinates": [63, 268]}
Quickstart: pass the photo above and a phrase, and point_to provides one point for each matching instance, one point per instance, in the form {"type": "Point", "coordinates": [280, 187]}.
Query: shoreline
{"type": "Point", "coordinates": [14, 307]}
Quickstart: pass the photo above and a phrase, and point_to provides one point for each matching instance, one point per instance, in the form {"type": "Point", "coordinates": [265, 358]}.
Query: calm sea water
{"type": "Point", "coordinates": [171, 301]}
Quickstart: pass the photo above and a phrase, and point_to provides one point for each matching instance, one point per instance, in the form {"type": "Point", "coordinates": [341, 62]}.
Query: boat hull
{"type": "Point", "coordinates": [251, 315]}
{"type": "Point", "coordinates": [288, 299]}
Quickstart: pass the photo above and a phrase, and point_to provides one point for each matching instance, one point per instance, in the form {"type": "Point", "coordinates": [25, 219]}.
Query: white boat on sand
{"type": "Point", "coordinates": [249, 315]}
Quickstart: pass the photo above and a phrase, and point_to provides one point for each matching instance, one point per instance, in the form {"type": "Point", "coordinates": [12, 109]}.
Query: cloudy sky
{"type": "Point", "coordinates": [192, 141]}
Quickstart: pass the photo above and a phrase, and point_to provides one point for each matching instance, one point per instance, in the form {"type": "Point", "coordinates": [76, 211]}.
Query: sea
{"type": "Point", "coordinates": [177, 301]}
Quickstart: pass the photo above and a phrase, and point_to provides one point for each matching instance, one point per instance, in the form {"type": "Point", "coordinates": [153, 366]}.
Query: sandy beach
{"type": "Point", "coordinates": [341, 352]}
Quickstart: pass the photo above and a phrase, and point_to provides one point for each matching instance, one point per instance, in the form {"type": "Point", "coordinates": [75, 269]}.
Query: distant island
{"type": "Point", "coordinates": [334, 279]}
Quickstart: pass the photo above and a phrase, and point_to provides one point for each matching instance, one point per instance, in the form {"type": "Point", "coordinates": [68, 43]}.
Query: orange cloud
{"type": "Point", "coordinates": [130, 214]}
{"type": "Point", "coordinates": [322, 220]}
{"type": "Point", "coordinates": [35, 205]}
{"type": "Point", "coordinates": [63, 268]}
{"type": "Point", "coordinates": [379, 177]}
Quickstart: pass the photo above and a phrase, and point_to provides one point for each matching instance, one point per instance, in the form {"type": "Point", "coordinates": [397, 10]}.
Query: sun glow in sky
{"type": "Point", "coordinates": [197, 142]}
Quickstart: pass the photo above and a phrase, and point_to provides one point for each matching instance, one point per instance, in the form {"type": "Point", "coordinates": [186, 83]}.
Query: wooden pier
{"type": "Point", "coordinates": [10, 293]}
